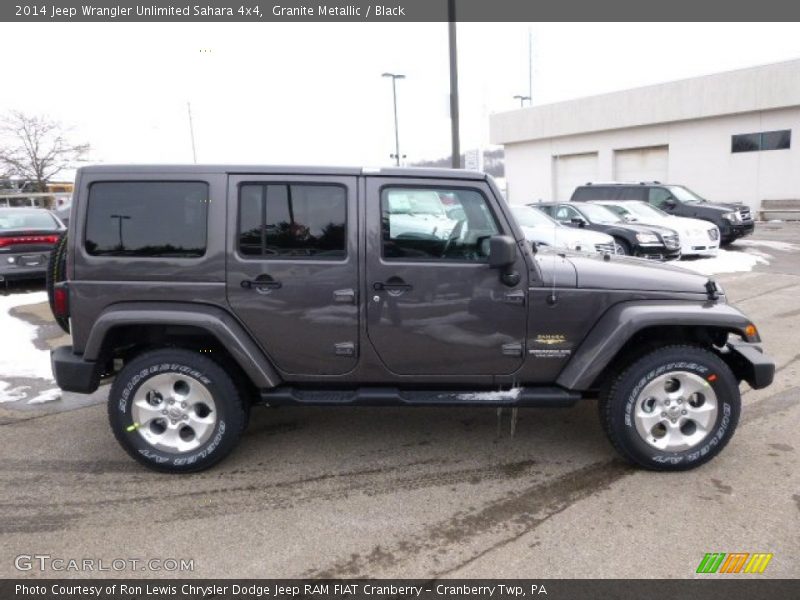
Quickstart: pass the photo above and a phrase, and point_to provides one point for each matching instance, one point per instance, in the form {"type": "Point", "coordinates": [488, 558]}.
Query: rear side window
{"type": "Point", "coordinates": [591, 192]}
{"type": "Point", "coordinates": [148, 219]}
{"type": "Point", "coordinates": [279, 220]}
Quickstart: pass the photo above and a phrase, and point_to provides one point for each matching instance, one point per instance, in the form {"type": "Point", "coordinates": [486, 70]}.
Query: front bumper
{"type": "Point", "coordinates": [72, 373]}
{"type": "Point", "coordinates": [733, 231]}
{"type": "Point", "coordinates": [658, 253]}
{"type": "Point", "coordinates": [748, 362]}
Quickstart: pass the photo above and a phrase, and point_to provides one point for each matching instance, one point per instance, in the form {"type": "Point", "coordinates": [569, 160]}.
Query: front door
{"type": "Point", "coordinates": [434, 306]}
{"type": "Point", "coordinates": [293, 268]}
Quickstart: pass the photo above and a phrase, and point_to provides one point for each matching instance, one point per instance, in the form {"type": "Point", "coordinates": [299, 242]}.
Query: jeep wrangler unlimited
{"type": "Point", "coordinates": [202, 290]}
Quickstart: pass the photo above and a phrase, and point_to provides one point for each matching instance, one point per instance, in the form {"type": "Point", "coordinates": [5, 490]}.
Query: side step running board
{"type": "Point", "coordinates": [392, 396]}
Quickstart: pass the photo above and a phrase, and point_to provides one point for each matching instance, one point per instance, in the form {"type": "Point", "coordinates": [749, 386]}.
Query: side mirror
{"type": "Point", "coordinates": [670, 203]}
{"type": "Point", "coordinates": [502, 256]}
{"type": "Point", "coordinates": [578, 221]}
{"type": "Point", "coordinates": [502, 251]}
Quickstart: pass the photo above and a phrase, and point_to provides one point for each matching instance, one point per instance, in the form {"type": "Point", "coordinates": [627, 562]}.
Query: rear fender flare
{"type": "Point", "coordinates": [216, 321]}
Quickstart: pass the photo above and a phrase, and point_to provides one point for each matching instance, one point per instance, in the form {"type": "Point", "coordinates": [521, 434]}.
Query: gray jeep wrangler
{"type": "Point", "coordinates": [203, 290]}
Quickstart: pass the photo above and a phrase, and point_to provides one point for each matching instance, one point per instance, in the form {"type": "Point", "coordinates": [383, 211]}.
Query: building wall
{"type": "Point", "coordinates": [700, 157]}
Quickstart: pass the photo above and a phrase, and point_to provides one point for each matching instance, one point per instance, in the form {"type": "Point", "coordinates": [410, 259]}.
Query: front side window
{"type": "Point", "coordinates": [147, 219]}
{"type": "Point", "coordinates": [431, 224]}
{"type": "Point", "coordinates": [283, 220]}
{"type": "Point", "coordinates": [565, 214]}
{"type": "Point", "coordinates": [658, 197]}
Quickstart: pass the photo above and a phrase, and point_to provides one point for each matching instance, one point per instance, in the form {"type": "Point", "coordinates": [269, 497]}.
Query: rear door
{"type": "Point", "coordinates": [434, 306]}
{"type": "Point", "coordinates": [292, 270]}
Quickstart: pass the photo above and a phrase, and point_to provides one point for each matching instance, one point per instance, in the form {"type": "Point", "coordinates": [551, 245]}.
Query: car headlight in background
{"type": "Point", "coordinates": [647, 238]}
{"type": "Point", "coordinates": [733, 217]}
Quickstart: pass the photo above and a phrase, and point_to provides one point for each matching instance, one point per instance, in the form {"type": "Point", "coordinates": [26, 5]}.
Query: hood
{"type": "Point", "coordinates": [563, 237]}
{"type": "Point", "coordinates": [706, 208]}
{"type": "Point", "coordinates": [627, 273]}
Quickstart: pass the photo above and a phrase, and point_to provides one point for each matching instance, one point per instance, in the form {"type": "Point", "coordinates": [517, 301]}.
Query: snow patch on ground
{"type": "Point", "coordinates": [771, 244]}
{"type": "Point", "coordinates": [499, 396]}
{"type": "Point", "coordinates": [50, 395]}
{"type": "Point", "coordinates": [18, 356]}
{"type": "Point", "coordinates": [9, 394]}
{"type": "Point", "coordinates": [727, 261]}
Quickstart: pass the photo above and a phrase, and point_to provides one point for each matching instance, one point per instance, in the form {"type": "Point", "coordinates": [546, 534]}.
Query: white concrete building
{"type": "Point", "coordinates": [731, 136]}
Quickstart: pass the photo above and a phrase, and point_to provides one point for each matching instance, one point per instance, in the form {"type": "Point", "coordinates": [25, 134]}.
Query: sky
{"type": "Point", "coordinates": [312, 93]}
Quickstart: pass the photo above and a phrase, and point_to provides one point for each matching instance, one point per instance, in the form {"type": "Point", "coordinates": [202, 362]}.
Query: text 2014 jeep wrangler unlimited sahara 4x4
{"type": "Point", "coordinates": [206, 289]}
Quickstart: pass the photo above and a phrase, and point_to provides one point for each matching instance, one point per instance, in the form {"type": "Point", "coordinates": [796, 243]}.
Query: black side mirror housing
{"type": "Point", "coordinates": [502, 256]}
{"type": "Point", "coordinates": [502, 251]}
{"type": "Point", "coordinates": [578, 221]}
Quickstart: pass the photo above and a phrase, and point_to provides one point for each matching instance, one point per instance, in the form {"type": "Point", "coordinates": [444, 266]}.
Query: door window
{"type": "Point", "coordinates": [565, 214]}
{"type": "Point", "coordinates": [658, 197]}
{"type": "Point", "coordinates": [292, 221]}
{"type": "Point", "coordinates": [435, 224]}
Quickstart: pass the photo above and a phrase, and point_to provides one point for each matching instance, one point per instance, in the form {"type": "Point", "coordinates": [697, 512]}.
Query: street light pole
{"type": "Point", "coordinates": [454, 120]}
{"type": "Point", "coordinates": [395, 77]}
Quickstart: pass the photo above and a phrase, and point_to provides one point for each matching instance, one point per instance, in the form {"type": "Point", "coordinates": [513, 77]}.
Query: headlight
{"type": "Point", "coordinates": [647, 238]}
{"type": "Point", "coordinates": [733, 217]}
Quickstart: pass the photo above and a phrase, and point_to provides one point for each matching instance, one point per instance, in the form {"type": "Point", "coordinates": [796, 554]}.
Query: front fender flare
{"type": "Point", "coordinates": [216, 321]}
{"type": "Point", "coordinates": [622, 321]}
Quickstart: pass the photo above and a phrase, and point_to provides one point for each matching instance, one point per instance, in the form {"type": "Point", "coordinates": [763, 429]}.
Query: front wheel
{"type": "Point", "coordinates": [673, 409]}
{"type": "Point", "coordinates": [177, 411]}
{"type": "Point", "coordinates": [621, 247]}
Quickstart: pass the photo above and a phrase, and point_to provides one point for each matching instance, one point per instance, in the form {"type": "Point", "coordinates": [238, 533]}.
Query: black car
{"type": "Point", "coordinates": [27, 235]}
{"type": "Point", "coordinates": [646, 241]}
{"type": "Point", "coordinates": [733, 219]}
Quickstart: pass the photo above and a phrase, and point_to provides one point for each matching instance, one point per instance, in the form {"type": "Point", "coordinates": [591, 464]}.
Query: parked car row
{"type": "Point", "coordinates": [734, 220]}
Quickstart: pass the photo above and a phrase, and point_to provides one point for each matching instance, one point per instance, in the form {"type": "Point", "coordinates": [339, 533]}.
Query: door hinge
{"type": "Point", "coordinates": [345, 349]}
{"type": "Point", "coordinates": [513, 349]}
{"type": "Point", "coordinates": [515, 297]}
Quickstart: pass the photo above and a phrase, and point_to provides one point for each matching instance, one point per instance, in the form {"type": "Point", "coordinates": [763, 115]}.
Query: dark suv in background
{"type": "Point", "coordinates": [632, 239]}
{"type": "Point", "coordinates": [733, 219]}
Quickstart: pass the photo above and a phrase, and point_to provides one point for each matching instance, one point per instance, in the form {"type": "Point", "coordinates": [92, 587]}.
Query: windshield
{"type": "Point", "coordinates": [527, 216]}
{"type": "Point", "coordinates": [599, 214]}
{"type": "Point", "coordinates": [643, 211]}
{"type": "Point", "coordinates": [684, 194]}
{"type": "Point", "coordinates": [11, 220]}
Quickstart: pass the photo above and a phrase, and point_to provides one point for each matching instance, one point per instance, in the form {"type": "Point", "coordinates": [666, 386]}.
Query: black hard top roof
{"type": "Point", "coordinates": [420, 172]}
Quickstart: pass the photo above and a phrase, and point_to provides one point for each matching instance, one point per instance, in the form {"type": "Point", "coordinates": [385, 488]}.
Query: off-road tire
{"type": "Point", "coordinates": [618, 400]}
{"type": "Point", "coordinates": [231, 419]}
{"type": "Point", "coordinates": [56, 273]}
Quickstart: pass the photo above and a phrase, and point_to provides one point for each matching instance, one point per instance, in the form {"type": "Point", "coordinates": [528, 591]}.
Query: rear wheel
{"type": "Point", "coordinates": [673, 409]}
{"type": "Point", "coordinates": [177, 411]}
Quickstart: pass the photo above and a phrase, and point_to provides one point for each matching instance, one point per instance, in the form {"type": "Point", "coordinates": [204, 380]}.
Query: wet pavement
{"type": "Point", "coordinates": [418, 492]}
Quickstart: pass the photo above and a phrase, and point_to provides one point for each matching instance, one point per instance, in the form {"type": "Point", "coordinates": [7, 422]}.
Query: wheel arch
{"type": "Point", "coordinates": [631, 328]}
{"type": "Point", "coordinates": [138, 325]}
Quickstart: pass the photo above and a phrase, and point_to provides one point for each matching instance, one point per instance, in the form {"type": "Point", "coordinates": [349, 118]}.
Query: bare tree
{"type": "Point", "coordinates": [36, 149]}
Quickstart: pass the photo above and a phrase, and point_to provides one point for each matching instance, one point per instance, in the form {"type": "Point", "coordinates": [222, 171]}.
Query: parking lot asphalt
{"type": "Point", "coordinates": [384, 492]}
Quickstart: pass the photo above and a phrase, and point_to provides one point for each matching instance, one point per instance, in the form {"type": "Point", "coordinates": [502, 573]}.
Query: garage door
{"type": "Point", "coordinates": [572, 170]}
{"type": "Point", "coordinates": [641, 164]}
